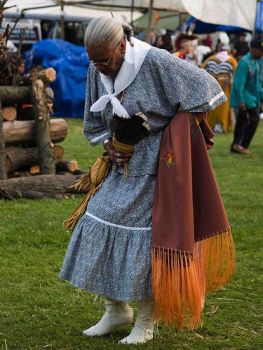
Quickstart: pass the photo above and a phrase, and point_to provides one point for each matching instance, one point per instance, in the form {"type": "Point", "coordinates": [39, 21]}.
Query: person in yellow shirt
{"type": "Point", "coordinates": [222, 66]}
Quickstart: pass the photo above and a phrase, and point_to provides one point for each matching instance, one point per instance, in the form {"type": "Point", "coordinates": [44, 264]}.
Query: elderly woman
{"type": "Point", "coordinates": [110, 250]}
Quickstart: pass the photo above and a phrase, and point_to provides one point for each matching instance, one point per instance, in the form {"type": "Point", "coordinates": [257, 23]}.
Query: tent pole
{"type": "Point", "coordinates": [132, 11]}
{"type": "Point", "coordinates": [62, 19]}
{"type": "Point", "coordinates": [149, 27]}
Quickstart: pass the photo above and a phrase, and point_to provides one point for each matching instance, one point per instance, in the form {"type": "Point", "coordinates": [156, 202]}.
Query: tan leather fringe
{"type": "Point", "coordinates": [180, 280]}
{"type": "Point", "coordinates": [71, 222]}
{"type": "Point", "coordinates": [91, 183]}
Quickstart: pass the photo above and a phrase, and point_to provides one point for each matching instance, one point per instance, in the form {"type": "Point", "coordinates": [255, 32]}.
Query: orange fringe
{"type": "Point", "coordinates": [180, 280]}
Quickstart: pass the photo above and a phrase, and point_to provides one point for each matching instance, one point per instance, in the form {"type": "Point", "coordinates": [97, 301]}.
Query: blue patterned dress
{"type": "Point", "coordinates": [110, 249]}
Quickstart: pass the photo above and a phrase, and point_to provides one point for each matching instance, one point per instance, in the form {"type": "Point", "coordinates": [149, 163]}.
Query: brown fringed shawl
{"type": "Point", "coordinates": [193, 250]}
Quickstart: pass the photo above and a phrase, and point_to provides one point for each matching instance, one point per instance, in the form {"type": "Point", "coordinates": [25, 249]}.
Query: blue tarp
{"type": "Point", "coordinates": [203, 27]}
{"type": "Point", "coordinates": [71, 64]}
{"type": "Point", "coordinates": [259, 18]}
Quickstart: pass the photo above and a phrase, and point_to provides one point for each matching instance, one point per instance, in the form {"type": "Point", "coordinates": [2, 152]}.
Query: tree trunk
{"type": "Point", "coordinates": [23, 131]}
{"type": "Point", "coordinates": [15, 94]}
{"type": "Point", "coordinates": [40, 186]}
{"type": "Point", "coordinates": [42, 129]}
{"type": "Point", "coordinates": [9, 113]}
{"type": "Point", "coordinates": [3, 174]}
{"type": "Point", "coordinates": [18, 158]}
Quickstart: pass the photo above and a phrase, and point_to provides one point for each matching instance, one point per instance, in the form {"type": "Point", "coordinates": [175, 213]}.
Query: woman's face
{"type": "Point", "coordinates": [107, 60]}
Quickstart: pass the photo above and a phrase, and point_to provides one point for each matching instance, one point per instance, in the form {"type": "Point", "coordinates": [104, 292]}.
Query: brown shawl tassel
{"type": "Point", "coordinates": [193, 250]}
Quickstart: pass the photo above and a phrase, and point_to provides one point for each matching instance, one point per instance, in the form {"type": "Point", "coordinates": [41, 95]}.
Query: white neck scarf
{"type": "Point", "coordinates": [131, 65]}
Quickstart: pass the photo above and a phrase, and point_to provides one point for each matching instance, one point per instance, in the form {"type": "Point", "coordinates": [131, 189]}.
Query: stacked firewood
{"type": "Point", "coordinates": [29, 138]}
{"type": "Point", "coordinates": [20, 134]}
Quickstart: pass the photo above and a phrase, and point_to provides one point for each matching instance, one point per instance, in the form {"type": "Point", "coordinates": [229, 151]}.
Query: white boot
{"type": "Point", "coordinates": [117, 313]}
{"type": "Point", "coordinates": [143, 328]}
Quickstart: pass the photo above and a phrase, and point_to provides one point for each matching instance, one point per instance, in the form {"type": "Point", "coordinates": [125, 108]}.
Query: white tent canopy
{"type": "Point", "coordinates": [239, 13]}
{"type": "Point", "coordinates": [51, 9]}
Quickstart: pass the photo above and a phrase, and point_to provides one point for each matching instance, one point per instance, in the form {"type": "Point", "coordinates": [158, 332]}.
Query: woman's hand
{"type": "Point", "coordinates": [115, 156]}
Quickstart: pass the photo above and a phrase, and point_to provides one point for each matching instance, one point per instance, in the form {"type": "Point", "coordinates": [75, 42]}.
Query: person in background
{"type": "Point", "coordinates": [221, 66]}
{"type": "Point", "coordinates": [202, 50]}
{"type": "Point", "coordinates": [158, 42]}
{"type": "Point", "coordinates": [208, 41]}
{"type": "Point", "coordinates": [185, 49]}
{"type": "Point", "coordinates": [246, 97]}
{"type": "Point", "coordinates": [241, 47]}
{"type": "Point", "coordinates": [166, 43]}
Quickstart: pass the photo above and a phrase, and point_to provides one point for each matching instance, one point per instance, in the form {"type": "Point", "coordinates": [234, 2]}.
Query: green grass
{"type": "Point", "coordinates": [39, 311]}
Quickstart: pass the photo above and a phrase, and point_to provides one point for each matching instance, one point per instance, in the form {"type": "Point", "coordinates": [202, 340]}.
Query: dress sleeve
{"type": "Point", "coordinates": [186, 86]}
{"type": "Point", "coordinates": [94, 126]}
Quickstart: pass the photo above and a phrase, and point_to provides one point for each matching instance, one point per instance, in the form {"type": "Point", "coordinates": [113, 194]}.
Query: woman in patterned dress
{"type": "Point", "coordinates": [109, 251]}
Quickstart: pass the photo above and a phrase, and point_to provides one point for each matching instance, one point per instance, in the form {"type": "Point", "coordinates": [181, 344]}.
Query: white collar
{"type": "Point", "coordinates": [131, 65]}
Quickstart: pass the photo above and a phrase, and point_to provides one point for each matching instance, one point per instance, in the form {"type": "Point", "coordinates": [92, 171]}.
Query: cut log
{"type": "Point", "coordinates": [3, 174]}
{"type": "Point", "coordinates": [58, 152]}
{"type": "Point", "coordinates": [47, 76]}
{"type": "Point", "coordinates": [9, 113]}
{"type": "Point", "coordinates": [42, 128]}
{"type": "Point", "coordinates": [34, 170]}
{"type": "Point", "coordinates": [66, 165]}
{"type": "Point", "coordinates": [18, 158]}
{"type": "Point", "coordinates": [23, 131]}
{"type": "Point", "coordinates": [39, 186]}
{"type": "Point", "coordinates": [23, 173]}
{"type": "Point", "coordinates": [15, 94]}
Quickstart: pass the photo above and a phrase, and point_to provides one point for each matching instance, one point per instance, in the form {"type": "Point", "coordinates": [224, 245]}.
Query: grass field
{"type": "Point", "coordinates": [39, 311]}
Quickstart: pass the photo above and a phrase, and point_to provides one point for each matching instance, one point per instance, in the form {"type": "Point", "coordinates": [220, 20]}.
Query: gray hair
{"type": "Point", "coordinates": [106, 31]}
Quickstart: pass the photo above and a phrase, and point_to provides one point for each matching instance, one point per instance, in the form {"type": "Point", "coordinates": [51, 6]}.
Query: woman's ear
{"type": "Point", "coordinates": [123, 46]}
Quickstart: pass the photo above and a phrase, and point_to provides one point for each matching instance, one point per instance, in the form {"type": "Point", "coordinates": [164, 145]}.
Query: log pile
{"type": "Point", "coordinates": [27, 142]}
{"type": "Point", "coordinates": [31, 160]}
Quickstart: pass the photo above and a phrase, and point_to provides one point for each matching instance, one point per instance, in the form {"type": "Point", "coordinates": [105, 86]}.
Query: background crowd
{"type": "Point", "coordinates": [236, 62]}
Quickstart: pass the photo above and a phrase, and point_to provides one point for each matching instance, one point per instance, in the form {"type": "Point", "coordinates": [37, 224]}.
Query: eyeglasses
{"type": "Point", "coordinates": [102, 63]}
{"type": "Point", "coordinates": [105, 63]}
